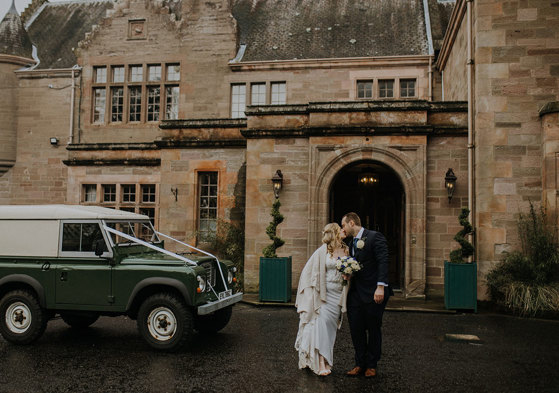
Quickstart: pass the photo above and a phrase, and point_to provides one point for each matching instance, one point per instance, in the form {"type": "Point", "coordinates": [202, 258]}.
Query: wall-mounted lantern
{"type": "Point", "coordinates": [277, 181]}
{"type": "Point", "coordinates": [54, 141]}
{"type": "Point", "coordinates": [450, 183]}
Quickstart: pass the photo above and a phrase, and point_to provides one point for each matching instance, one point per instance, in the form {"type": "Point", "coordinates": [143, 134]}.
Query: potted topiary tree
{"type": "Point", "coordinates": [275, 272]}
{"type": "Point", "coordinates": [460, 276]}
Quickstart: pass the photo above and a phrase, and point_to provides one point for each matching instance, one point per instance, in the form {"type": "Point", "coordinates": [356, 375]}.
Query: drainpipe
{"type": "Point", "coordinates": [72, 95]}
{"type": "Point", "coordinates": [430, 78]}
{"type": "Point", "coordinates": [471, 146]}
{"type": "Point", "coordinates": [430, 44]}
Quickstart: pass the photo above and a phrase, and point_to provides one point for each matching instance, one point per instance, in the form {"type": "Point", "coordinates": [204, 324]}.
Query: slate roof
{"type": "Point", "coordinates": [319, 29]}
{"type": "Point", "coordinates": [56, 28]}
{"type": "Point", "coordinates": [13, 37]}
{"type": "Point", "coordinates": [440, 12]}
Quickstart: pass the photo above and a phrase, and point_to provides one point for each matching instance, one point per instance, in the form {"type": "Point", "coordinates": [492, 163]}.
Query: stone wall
{"type": "Point", "coordinates": [8, 107]}
{"type": "Point", "coordinates": [455, 80]}
{"type": "Point", "coordinates": [516, 73]}
{"type": "Point", "coordinates": [39, 176]}
{"type": "Point", "coordinates": [442, 215]}
{"type": "Point", "coordinates": [202, 40]}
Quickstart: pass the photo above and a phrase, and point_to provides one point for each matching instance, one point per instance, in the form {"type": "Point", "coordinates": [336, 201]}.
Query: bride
{"type": "Point", "coordinates": [321, 300]}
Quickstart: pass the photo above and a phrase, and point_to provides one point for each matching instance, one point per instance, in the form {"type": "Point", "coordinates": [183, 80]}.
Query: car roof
{"type": "Point", "coordinates": [63, 212]}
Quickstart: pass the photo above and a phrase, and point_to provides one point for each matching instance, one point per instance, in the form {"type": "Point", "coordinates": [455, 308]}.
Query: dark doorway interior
{"type": "Point", "coordinates": [375, 193]}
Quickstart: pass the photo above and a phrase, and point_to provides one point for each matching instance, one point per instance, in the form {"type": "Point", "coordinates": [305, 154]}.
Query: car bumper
{"type": "Point", "coordinates": [219, 304]}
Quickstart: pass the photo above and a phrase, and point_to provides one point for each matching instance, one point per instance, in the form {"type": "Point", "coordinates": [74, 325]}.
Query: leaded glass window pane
{"type": "Point", "coordinates": [99, 98]}
{"type": "Point", "coordinates": [238, 99]}
{"type": "Point", "coordinates": [386, 88]}
{"type": "Point", "coordinates": [135, 100]}
{"type": "Point", "coordinates": [365, 89]}
{"type": "Point", "coordinates": [278, 93]}
{"type": "Point", "coordinates": [117, 104]}
{"type": "Point", "coordinates": [172, 102]}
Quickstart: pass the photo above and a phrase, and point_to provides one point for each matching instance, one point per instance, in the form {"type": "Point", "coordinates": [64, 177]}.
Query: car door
{"type": "Point", "coordinates": [82, 278]}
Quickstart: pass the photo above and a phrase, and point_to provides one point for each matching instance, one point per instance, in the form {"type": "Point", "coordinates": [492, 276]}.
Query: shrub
{"type": "Point", "coordinates": [229, 243]}
{"type": "Point", "coordinates": [527, 281]}
{"type": "Point", "coordinates": [277, 218]}
{"type": "Point", "coordinates": [466, 249]}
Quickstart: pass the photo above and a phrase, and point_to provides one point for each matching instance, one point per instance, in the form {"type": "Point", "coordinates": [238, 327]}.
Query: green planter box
{"type": "Point", "coordinates": [275, 279]}
{"type": "Point", "coordinates": [460, 286]}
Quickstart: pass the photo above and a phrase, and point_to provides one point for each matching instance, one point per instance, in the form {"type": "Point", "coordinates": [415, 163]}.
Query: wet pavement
{"type": "Point", "coordinates": [254, 353]}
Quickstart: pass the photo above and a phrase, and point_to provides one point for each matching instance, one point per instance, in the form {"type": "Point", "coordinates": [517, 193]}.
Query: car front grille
{"type": "Point", "coordinates": [210, 271]}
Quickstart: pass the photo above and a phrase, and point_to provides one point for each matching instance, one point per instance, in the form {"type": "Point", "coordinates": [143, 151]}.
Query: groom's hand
{"type": "Point", "coordinates": [379, 294]}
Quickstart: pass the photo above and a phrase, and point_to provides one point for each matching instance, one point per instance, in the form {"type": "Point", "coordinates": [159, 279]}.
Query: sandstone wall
{"type": "Point", "coordinates": [39, 176]}
{"type": "Point", "coordinates": [455, 81]}
{"type": "Point", "coordinates": [8, 120]}
{"type": "Point", "coordinates": [517, 70]}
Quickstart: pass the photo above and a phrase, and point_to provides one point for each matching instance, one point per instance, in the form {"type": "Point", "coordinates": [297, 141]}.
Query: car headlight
{"type": "Point", "coordinates": [231, 275]}
{"type": "Point", "coordinates": [201, 284]}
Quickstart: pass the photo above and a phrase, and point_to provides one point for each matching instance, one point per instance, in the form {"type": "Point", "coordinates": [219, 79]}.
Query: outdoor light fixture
{"type": "Point", "coordinates": [54, 141]}
{"type": "Point", "coordinates": [450, 183]}
{"type": "Point", "coordinates": [368, 179]}
{"type": "Point", "coordinates": [277, 181]}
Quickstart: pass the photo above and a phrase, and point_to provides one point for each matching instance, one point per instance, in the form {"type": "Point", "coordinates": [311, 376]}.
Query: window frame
{"type": "Point", "coordinates": [400, 80]}
{"type": "Point", "coordinates": [235, 112]}
{"type": "Point", "coordinates": [278, 83]}
{"type": "Point", "coordinates": [83, 254]}
{"type": "Point", "coordinates": [202, 234]}
{"type": "Point", "coordinates": [364, 81]}
{"type": "Point", "coordinates": [135, 99]}
{"type": "Point", "coordinates": [379, 81]}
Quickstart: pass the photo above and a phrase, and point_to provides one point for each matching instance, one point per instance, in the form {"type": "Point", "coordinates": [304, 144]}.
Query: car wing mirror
{"type": "Point", "coordinates": [100, 247]}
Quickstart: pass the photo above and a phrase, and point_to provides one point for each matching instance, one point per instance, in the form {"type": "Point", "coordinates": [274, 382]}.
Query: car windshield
{"type": "Point", "coordinates": [142, 230]}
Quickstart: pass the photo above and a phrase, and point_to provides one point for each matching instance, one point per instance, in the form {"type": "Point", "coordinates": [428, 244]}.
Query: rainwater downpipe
{"type": "Point", "coordinates": [430, 78]}
{"type": "Point", "coordinates": [471, 128]}
{"type": "Point", "coordinates": [72, 97]}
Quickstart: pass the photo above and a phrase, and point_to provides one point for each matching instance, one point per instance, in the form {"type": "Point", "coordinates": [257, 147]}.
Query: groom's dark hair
{"type": "Point", "coordinates": [352, 217]}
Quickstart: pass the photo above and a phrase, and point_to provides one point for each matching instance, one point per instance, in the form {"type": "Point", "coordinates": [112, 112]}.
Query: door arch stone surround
{"type": "Point", "coordinates": [408, 163]}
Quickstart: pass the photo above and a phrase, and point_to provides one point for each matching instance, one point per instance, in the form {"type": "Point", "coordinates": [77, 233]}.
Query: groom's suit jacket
{"type": "Point", "coordinates": [373, 258]}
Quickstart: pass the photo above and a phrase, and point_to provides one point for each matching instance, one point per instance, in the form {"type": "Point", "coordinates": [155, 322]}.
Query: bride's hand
{"type": "Point", "coordinates": [346, 276]}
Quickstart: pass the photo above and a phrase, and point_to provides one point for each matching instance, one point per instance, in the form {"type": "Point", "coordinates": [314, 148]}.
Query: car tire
{"type": "Point", "coordinates": [165, 322]}
{"type": "Point", "coordinates": [22, 319]}
{"type": "Point", "coordinates": [77, 321]}
{"type": "Point", "coordinates": [213, 323]}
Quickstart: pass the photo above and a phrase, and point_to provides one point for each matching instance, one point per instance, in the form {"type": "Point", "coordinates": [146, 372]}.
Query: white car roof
{"type": "Point", "coordinates": [65, 212]}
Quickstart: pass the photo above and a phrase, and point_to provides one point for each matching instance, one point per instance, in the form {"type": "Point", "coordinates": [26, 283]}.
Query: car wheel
{"type": "Point", "coordinates": [214, 322]}
{"type": "Point", "coordinates": [23, 320]}
{"type": "Point", "coordinates": [79, 321]}
{"type": "Point", "coordinates": [165, 322]}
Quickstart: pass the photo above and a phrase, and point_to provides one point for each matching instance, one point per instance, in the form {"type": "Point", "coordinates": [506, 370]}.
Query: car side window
{"type": "Point", "coordinates": [80, 237]}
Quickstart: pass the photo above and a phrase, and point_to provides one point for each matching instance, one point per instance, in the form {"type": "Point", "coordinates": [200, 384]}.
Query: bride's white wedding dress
{"type": "Point", "coordinates": [318, 336]}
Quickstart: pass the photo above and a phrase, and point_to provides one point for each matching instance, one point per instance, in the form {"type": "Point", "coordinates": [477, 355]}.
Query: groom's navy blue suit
{"type": "Point", "coordinates": [363, 313]}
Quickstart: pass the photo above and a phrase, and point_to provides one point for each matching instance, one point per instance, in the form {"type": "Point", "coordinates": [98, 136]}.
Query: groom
{"type": "Point", "coordinates": [368, 294]}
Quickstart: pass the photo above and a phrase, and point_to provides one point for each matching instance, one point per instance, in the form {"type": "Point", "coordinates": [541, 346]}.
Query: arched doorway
{"type": "Point", "coordinates": [373, 191]}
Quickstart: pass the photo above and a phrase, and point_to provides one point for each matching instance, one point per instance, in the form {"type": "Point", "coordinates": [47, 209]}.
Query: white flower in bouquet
{"type": "Point", "coordinates": [347, 265]}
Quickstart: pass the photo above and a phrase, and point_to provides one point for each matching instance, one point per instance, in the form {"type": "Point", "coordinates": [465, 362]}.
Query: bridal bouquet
{"type": "Point", "coordinates": [347, 265]}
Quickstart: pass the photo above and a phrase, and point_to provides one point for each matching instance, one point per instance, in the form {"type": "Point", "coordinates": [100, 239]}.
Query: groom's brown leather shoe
{"type": "Point", "coordinates": [354, 371]}
{"type": "Point", "coordinates": [370, 372]}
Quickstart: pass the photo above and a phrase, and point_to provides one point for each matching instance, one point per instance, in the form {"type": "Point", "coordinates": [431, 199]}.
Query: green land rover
{"type": "Point", "coordinates": [81, 262]}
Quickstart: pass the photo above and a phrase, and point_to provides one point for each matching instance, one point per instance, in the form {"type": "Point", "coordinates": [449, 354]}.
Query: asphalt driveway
{"type": "Point", "coordinates": [254, 353]}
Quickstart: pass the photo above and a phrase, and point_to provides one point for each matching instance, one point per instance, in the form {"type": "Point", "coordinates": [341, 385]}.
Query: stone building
{"type": "Point", "coordinates": [184, 110]}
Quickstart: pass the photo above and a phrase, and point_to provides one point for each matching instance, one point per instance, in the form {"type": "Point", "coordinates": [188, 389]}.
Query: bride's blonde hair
{"type": "Point", "coordinates": [331, 236]}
